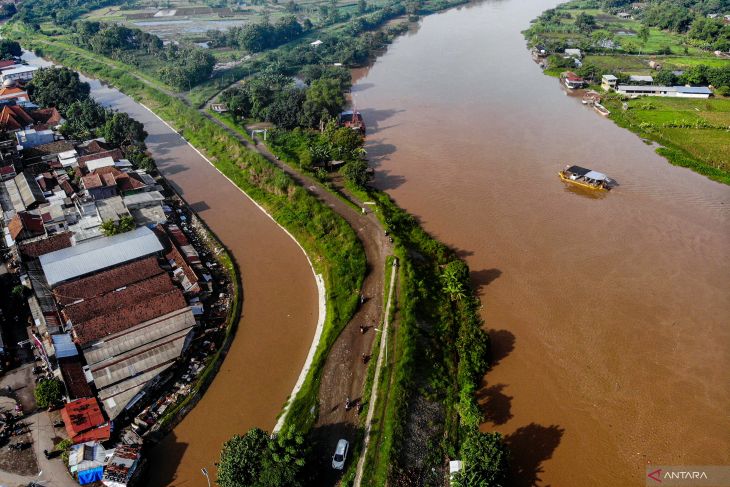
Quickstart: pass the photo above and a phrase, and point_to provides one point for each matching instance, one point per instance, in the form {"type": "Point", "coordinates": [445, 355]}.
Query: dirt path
{"type": "Point", "coordinates": [376, 377]}
{"type": "Point", "coordinates": [344, 371]}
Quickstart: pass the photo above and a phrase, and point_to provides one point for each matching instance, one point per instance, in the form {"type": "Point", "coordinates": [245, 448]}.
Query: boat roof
{"type": "Point", "coordinates": [580, 171]}
{"type": "Point", "coordinates": [595, 175]}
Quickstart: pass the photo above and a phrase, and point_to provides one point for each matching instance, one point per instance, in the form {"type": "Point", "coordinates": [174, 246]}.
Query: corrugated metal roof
{"type": "Point", "coordinates": [65, 347]}
{"type": "Point", "coordinates": [98, 254]}
{"type": "Point", "coordinates": [699, 90]}
{"type": "Point", "coordinates": [145, 333]}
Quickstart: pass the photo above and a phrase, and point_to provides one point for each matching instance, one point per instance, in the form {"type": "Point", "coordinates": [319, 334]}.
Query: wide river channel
{"type": "Point", "coordinates": [610, 316]}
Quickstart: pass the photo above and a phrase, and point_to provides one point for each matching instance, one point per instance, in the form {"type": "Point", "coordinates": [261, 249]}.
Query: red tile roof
{"type": "Point", "coordinates": [83, 419]}
{"type": "Point", "coordinates": [92, 181]}
{"type": "Point", "coordinates": [26, 225]}
{"type": "Point", "coordinates": [103, 282]}
{"type": "Point", "coordinates": [7, 63]}
{"type": "Point", "coordinates": [73, 376]}
{"type": "Point", "coordinates": [37, 248]}
{"type": "Point", "coordinates": [95, 147]}
{"type": "Point", "coordinates": [13, 93]}
{"type": "Point", "coordinates": [14, 117]}
{"type": "Point", "coordinates": [101, 305]}
{"type": "Point", "coordinates": [49, 117]}
{"type": "Point", "coordinates": [129, 316]}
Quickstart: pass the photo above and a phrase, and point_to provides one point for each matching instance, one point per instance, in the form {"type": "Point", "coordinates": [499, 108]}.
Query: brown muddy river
{"type": "Point", "coordinates": [279, 311]}
{"type": "Point", "coordinates": [609, 316]}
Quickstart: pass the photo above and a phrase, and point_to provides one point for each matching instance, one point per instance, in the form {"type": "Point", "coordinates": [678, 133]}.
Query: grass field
{"type": "Point", "coordinates": [702, 149]}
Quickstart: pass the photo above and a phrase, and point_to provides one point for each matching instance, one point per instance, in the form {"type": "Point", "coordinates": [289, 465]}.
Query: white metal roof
{"type": "Point", "coordinates": [20, 69]}
{"type": "Point", "coordinates": [595, 175]}
{"type": "Point", "coordinates": [98, 163]}
{"type": "Point", "coordinates": [98, 254]}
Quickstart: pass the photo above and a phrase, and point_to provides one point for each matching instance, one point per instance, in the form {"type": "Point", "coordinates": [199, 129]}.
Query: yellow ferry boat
{"type": "Point", "coordinates": [586, 178]}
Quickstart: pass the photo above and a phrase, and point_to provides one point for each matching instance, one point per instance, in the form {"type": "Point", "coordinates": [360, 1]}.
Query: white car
{"type": "Point", "coordinates": [338, 459]}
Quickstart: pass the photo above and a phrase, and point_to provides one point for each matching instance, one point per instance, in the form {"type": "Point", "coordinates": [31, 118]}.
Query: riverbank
{"type": "Point", "coordinates": [692, 133]}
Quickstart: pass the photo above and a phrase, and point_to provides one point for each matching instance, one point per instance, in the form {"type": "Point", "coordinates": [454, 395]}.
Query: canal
{"type": "Point", "coordinates": [280, 307]}
{"type": "Point", "coordinates": [609, 315]}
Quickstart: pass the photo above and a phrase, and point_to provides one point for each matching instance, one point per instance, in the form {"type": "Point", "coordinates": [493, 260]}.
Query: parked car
{"type": "Point", "coordinates": [338, 459]}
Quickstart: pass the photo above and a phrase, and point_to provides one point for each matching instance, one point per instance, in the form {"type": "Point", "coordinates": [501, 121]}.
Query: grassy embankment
{"type": "Point", "coordinates": [332, 245]}
{"type": "Point", "coordinates": [693, 133]}
{"type": "Point", "coordinates": [437, 351]}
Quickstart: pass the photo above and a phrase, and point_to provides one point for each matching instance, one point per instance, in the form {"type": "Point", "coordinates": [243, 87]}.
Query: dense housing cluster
{"type": "Point", "coordinates": [117, 275]}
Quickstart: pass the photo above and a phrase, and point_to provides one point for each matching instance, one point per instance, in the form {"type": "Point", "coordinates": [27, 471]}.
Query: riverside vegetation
{"type": "Point", "coordinates": [443, 350]}
{"type": "Point", "coordinates": [682, 39]}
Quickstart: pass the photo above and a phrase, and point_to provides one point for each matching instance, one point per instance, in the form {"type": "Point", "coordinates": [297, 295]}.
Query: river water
{"type": "Point", "coordinates": [609, 316]}
{"type": "Point", "coordinates": [280, 307]}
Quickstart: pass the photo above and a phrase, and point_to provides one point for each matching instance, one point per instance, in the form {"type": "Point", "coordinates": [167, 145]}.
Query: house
{"type": "Point", "coordinates": [85, 421]}
{"type": "Point", "coordinates": [712, 16]}
{"type": "Point", "coordinates": [609, 82]}
{"type": "Point", "coordinates": [316, 43]}
{"type": "Point", "coordinates": [13, 117]}
{"type": "Point", "coordinates": [68, 158]}
{"type": "Point", "coordinates": [13, 93]}
{"type": "Point", "coordinates": [572, 80]}
{"type": "Point", "coordinates": [146, 208]}
{"type": "Point", "coordinates": [86, 461]}
{"type": "Point", "coordinates": [7, 172]}
{"type": "Point", "coordinates": [31, 137]}
{"type": "Point", "coordinates": [108, 181]}
{"type": "Point", "coordinates": [72, 373]}
{"type": "Point", "coordinates": [693, 91]}
{"type": "Point", "coordinates": [25, 225]}
{"type": "Point", "coordinates": [124, 467]}
{"type": "Point", "coordinates": [46, 118]}
{"type": "Point", "coordinates": [640, 80]}
{"type": "Point", "coordinates": [99, 254]}
{"type": "Point", "coordinates": [19, 73]}
{"type": "Point", "coordinates": [24, 192]}
{"type": "Point", "coordinates": [95, 164]}
{"type": "Point", "coordinates": [678, 91]}
{"type": "Point", "coordinates": [574, 53]}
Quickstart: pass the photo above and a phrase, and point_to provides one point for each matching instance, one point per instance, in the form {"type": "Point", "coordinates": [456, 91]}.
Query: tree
{"type": "Point", "coordinates": [257, 460]}
{"type": "Point", "coordinates": [241, 458]}
{"type": "Point", "coordinates": [644, 35]}
{"type": "Point", "coordinates": [452, 279]}
{"type": "Point", "coordinates": [585, 22]}
{"type": "Point", "coordinates": [48, 392]}
{"type": "Point", "coordinates": [122, 130]}
{"type": "Point", "coordinates": [57, 87]}
{"type": "Point", "coordinates": [356, 172]}
{"type": "Point", "coordinates": [486, 460]}
{"type": "Point", "coordinates": [9, 49]}
{"type": "Point", "coordinates": [7, 10]}
{"type": "Point", "coordinates": [324, 98]}
{"type": "Point", "coordinates": [666, 78]}
{"type": "Point", "coordinates": [111, 227]}
{"type": "Point", "coordinates": [83, 119]}
{"type": "Point", "coordinates": [19, 292]}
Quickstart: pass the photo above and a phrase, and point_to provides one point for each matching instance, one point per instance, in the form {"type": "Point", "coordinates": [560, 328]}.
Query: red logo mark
{"type": "Point", "coordinates": [656, 475]}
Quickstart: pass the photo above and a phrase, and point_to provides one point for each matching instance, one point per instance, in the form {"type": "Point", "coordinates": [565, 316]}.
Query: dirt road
{"type": "Point", "coordinates": [344, 371]}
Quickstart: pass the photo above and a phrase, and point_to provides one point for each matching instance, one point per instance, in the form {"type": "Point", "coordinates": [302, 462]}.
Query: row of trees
{"type": "Point", "coordinates": [180, 66]}
{"type": "Point", "coordinates": [85, 118]}
{"type": "Point", "coordinates": [260, 36]}
{"type": "Point", "coordinates": [62, 12]}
